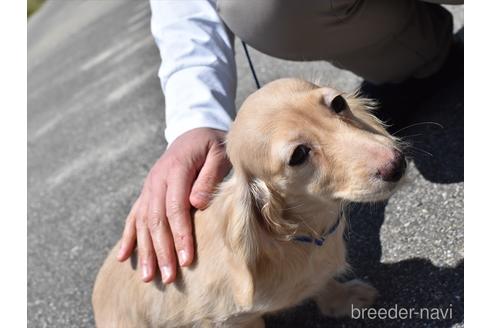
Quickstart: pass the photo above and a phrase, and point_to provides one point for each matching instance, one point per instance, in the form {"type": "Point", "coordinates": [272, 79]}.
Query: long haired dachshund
{"type": "Point", "coordinates": [273, 234]}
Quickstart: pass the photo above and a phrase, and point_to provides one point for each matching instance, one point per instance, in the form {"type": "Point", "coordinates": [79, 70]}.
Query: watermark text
{"type": "Point", "coordinates": [397, 312]}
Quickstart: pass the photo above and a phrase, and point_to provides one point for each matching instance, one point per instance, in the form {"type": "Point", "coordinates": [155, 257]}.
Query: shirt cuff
{"type": "Point", "coordinates": [195, 98]}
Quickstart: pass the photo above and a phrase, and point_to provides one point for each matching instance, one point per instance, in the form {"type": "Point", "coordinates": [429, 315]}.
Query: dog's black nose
{"type": "Point", "coordinates": [394, 170]}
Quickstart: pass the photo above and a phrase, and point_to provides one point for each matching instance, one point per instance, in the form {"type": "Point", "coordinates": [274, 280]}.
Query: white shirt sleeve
{"type": "Point", "coordinates": [198, 70]}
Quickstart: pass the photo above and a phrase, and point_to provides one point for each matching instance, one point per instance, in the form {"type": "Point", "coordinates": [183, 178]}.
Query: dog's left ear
{"type": "Point", "coordinates": [334, 99]}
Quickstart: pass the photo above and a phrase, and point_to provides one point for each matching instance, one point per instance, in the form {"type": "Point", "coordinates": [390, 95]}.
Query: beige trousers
{"type": "Point", "coordinates": [380, 40]}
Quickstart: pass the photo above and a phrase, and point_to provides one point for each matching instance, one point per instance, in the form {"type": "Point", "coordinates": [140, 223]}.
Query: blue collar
{"type": "Point", "coordinates": [321, 240]}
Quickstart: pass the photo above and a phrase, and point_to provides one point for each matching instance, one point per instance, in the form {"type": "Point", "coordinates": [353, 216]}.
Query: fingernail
{"type": "Point", "coordinates": [145, 271]}
{"type": "Point", "coordinates": [166, 273]}
{"type": "Point", "coordinates": [183, 257]}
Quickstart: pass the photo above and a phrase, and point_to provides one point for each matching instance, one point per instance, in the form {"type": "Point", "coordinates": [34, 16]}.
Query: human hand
{"type": "Point", "coordinates": [159, 221]}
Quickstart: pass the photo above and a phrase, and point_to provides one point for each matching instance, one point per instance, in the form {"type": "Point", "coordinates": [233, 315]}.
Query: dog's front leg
{"type": "Point", "coordinates": [337, 299]}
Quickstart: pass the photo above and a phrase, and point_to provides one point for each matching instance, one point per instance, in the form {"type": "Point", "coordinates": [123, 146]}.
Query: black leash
{"type": "Point", "coordinates": [251, 65]}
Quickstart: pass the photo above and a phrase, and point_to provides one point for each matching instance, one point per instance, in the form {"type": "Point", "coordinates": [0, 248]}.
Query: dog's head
{"type": "Point", "coordinates": [299, 150]}
{"type": "Point", "coordinates": [307, 142]}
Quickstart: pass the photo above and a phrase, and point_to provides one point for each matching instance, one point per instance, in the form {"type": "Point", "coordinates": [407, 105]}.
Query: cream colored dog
{"type": "Point", "coordinates": [273, 235]}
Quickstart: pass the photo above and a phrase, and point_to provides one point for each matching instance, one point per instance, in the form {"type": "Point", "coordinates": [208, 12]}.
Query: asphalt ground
{"type": "Point", "coordinates": [95, 127]}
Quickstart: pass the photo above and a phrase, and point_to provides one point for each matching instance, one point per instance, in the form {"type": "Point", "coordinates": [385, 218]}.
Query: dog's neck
{"type": "Point", "coordinates": [276, 217]}
{"type": "Point", "coordinates": [313, 218]}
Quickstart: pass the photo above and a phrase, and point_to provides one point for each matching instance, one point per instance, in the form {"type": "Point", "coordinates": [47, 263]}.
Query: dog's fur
{"type": "Point", "coordinates": [246, 261]}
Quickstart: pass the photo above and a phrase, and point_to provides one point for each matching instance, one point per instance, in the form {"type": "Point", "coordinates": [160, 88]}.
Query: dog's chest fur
{"type": "Point", "coordinates": [299, 273]}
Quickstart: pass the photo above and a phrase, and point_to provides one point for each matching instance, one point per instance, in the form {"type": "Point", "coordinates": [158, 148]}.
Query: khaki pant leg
{"type": "Point", "coordinates": [380, 40]}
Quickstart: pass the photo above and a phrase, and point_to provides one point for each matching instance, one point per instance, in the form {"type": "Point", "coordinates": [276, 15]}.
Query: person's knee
{"type": "Point", "coordinates": [314, 30]}
{"type": "Point", "coordinates": [289, 29]}
{"type": "Point", "coordinates": [381, 41]}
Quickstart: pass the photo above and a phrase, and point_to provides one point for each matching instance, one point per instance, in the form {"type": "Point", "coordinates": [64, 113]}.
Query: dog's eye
{"type": "Point", "coordinates": [299, 155]}
{"type": "Point", "coordinates": [338, 104]}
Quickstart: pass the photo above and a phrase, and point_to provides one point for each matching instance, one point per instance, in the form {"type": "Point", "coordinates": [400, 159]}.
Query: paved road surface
{"type": "Point", "coordinates": [95, 126]}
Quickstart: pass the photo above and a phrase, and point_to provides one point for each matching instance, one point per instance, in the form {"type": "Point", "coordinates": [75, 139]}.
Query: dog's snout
{"type": "Point", "coordinates": [393, 170]}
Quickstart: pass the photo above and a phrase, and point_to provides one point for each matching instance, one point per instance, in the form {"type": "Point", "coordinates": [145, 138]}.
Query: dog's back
{"type": "Point", "coordinates": [121, 299]}
{"type": "Point", "coordinates": [217, 287]}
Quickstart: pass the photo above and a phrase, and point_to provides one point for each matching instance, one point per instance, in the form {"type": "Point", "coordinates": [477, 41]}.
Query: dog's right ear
{"type": "Point", "coordinates": [243, 227]}
{"type": "Point", "coordinates": [258, 210]}
{"type": "Point", "coordinates": [242, 239]}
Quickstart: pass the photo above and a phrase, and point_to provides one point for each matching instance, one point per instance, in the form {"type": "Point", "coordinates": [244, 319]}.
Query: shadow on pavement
{"type": "Point", "coordinates": [414, 283]}
{"type": "Point", "coordinates": [438, 152]}
{"type": "Point", "coordinates": [435, 131]}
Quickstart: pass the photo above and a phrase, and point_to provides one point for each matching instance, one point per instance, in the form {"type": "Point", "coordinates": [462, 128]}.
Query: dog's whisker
{"type": "Point", "coordinates": [417, 124]}
{"type": "Point", "coordinates": [307, 225]}
{"type": "Point", "coordinates": [294, 207]}
{"type": "Point", "coordinates": [411, 136]}
{"type": "Point", "coordinates": [410, 149]}
{"type": "Point", "coordinates": [344, 209]}
{"type": "Point", "coordinates": [421, 150]}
